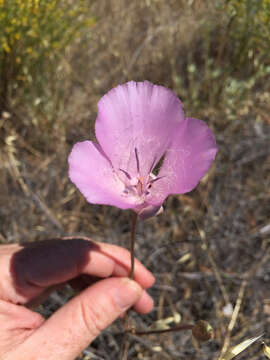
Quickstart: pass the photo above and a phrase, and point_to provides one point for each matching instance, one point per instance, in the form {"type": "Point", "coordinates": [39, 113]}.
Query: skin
{"type": "Point", "coordinates": [29, 273]}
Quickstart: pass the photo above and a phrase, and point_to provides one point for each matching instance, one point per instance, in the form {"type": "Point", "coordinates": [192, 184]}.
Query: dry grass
{"type": "Point", "coordinates": [208, 243]}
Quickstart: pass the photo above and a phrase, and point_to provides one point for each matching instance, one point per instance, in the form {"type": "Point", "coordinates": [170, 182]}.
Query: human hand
{"type": "Point", "coordinates": [29, 273]}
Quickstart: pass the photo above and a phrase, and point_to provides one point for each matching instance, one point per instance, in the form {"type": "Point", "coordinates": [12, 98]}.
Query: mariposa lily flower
{"type": "Point", "coordinates": [139, 125]}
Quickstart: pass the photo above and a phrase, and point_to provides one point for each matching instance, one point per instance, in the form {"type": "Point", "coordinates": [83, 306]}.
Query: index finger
{"type": "Point", "coordinates": [122, 258]}
{"type": "Point", "coordinates": [44, 264]}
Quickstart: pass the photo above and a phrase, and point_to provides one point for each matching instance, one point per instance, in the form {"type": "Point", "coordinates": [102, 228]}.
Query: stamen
{"type": "Point", "coordinates": [153, 164]}
{"type": "Point", "coordinates": [137, 160]}
{"type": "Point", "coordinates": [126, 173]}
{"type": "Point", "coordinates": [156, 179]}
{"type": "Point", "coordinates": [159, 164]}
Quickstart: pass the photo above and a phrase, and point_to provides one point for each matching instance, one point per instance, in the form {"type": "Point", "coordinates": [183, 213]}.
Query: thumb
{"type": "Point", "coordinates": [65, 334]}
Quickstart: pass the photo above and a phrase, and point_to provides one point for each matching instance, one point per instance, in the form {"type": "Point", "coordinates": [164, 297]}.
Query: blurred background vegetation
{"type": "Point", "coordinates": [57, 58]}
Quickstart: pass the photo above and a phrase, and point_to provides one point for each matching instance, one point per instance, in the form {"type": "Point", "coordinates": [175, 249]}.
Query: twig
{"type": "Point", "coordinates": [213, 264]}
{"type": "Point", "coordinates": [125, 347]}
{"type": "Point", "coordinates": [161, 331]}
{"type": "Point", "coordinates": [42, 205]}
{"type": "Point", "coordinates": [233, 318]}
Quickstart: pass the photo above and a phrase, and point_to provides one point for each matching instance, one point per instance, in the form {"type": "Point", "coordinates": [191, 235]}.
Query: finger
{"type": "Point", "coordinates": [122, 263]}
{"type": "Point", "coordinates": [65, 334]}
{"type": "Point", "coordinates": [17, 323]}
{"type": "Point", "coordinates": [145, 304]}
{"type": "Point", "coordinates": [37, 266]}
{"type": "Point", "coordinates": [121, 258]}
{"type": "Point", "coordinates": [18, 317]}
{"type": "Point", "coordinates": [44, 264]}
{"type": "Point", "coordinates": [55, 261]}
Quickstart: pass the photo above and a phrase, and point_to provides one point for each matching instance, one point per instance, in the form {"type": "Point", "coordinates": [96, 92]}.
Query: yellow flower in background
{"type": "Point", "coordinates": [55, 44]}
{"type": "Point", "coordinates": [32, 33]}
{"type": "Point", "coordinates": [45, 43]}
{"type": "Point", "coordinates": [8, 29]}
{"type": "Point", "coordinates": [21, 4]}
{"type": "Point", "coordinates": [24, 21]}
{"type": "Point", "coordinates": [6, 47]}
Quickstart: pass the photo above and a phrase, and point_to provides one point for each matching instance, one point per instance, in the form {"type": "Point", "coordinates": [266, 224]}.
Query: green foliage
{"type": "Point", "coordinates": [251, 19]}
{"type": "Point", "coordinates": [33, 35]}
{"type": "Point", "coordinates": [249, 34]}
{"type": "Point", "coordinates": [233, 55]}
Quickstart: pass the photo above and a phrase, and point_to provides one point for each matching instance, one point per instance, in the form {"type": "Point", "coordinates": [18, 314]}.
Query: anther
{"type": "Point", "coordinates": [126, 173]}
{"type": "Point", "coordinates": [137, 160]}
{"type": "Point", "coordinates": [156, 179]}
{"type": "Point", "coordinates": [153, 164]}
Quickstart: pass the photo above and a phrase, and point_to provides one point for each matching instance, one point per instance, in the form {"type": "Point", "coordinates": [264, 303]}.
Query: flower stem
{"type": "Point", "coordinates": [125, 343]}
{"type": "Point", "coordinates": [132, 242]}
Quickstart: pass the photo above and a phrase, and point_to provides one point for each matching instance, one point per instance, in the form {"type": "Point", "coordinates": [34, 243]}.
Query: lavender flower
{"type": "Point", "coordinates": [138, 124]}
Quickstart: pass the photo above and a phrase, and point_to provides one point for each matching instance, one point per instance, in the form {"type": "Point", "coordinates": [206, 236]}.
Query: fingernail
{"type": "Point", "coordinates": [127, 294]}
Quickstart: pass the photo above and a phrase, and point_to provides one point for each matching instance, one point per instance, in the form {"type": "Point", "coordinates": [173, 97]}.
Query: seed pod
{"type": "Point", "coordinates": [203, 331]}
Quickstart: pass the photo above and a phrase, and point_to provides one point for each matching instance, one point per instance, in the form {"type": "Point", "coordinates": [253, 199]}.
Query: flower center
{"type": "Point", "coordinates": [138, 186]}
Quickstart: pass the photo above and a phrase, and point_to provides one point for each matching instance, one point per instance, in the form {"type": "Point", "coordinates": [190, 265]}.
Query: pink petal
{"type": "Point", "coordinates": [139, 116]}
{"type": "Point", "coordinates": [93, 175]}
{"type": "Point", "coordinates": [187, 160]}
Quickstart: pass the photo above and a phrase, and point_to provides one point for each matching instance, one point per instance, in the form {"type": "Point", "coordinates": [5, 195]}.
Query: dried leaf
{"type": "Point", "coordinates": [266, 351]}
{"type": "Point", "coordinates": [237, 349]}
{"type": "Point", "coordinates": [184, 258]}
